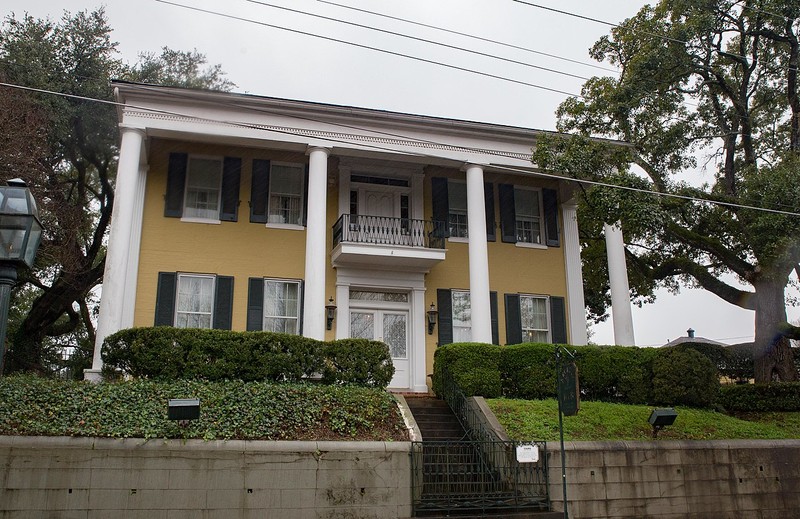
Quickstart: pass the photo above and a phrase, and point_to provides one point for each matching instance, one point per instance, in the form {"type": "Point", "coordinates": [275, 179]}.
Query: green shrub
{"type": "Point", "coordinates": [740, 364]}
{"type": "Point", "coordinates": [760, 397]}
{"type": "Point", "coordinates": [615, 373]}
{"type": "Point", "coordinates": [473, 366]}
{"type": "Point", "coordinates": [684, 377]}
{"type": "Point", "coordinates": [528, 371]}
{"type": "Point", "coordinates": [357, 361]}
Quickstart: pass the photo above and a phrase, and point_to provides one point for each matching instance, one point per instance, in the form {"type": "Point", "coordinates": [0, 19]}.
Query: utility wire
{"type": "Point", "coordinates": [368, 47]}
{"type": "Point", "coordinates": [474, 37]}
{"type": "Point", "coordinates": [416, 38]}
{"type": "Point", "coordinates": [302, 132]}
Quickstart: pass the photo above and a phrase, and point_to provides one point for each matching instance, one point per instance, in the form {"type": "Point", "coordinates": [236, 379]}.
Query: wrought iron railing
{"type": "Point", "coordinates": [384, 230]}
{"type": "Point", "coordinates": [479, 473]}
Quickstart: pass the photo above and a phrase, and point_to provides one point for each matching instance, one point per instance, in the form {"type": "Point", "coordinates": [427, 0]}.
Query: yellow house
{"type": "Point", "coordinates": [251, 213]}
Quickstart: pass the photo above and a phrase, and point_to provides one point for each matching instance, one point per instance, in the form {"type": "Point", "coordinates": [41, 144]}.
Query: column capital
{"type": "Point", "coordinates": [126, 128]}
{"type": "Point", "coordinates": [312, 149]}
{"type": "Point", "coordinates": [469, 165]}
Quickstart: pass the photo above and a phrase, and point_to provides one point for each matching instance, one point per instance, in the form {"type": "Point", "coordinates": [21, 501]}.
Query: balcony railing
{"type": "Point", "coordinates": [384, 230]}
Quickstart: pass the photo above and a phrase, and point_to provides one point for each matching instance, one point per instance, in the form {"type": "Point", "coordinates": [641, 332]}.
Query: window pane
{"type": "Point", "coordinates": [457, 196]}
{"type": "Point", "coordinates": [203, 188]}
{"type": "Point", "coordinates": [365, 295]}
{"type": "Point", "coordinates": [281, 306]}
{"type": "Point", "coordinates": [526, 202]}
{"type": "Point", "coordinates": [195, 301]}
{"type": "Point", "coordinates": [394, 335]}
{"type": "Point", "coordinates": [462, 317]}
{"type": "Point", "coordinates": [362, 325]}
{"type": "Point", "coordinates": [533, 311]}
{"type": "Point", "coordinates": [286, 194]}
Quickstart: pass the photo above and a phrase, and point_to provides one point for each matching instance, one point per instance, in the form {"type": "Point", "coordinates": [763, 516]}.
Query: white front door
{"type": "Point", "coordinates": [391, 327]}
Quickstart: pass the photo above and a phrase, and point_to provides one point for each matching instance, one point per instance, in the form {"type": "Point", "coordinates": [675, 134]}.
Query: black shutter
{"type": "Point", "coordinates": [493, 309]}
{"type": "Point", "coordinates": [558, 320]}
{"type": "Point", "coordinates": [441, 207]}
{"type": "Point", "coordinates": [231, 174]}
{"type": "Point", "coordinates": [550, 202]}
{"type": "Point", "coordinates": [302, 307]}
{"type": "Point", "coordinates": [176, 183]}
{"type": "Point", "coordinates": [491, 227]}
{"type": "Point", "coordinates": [513, 320]}
{"type": "Point", "coordinates": [255, 304]}
{"type": "Point", "coordinates": [165, 299]}
{"type": "Point", "coordinates": [508, 215]}
{"type": "Point", "coordinates": [259, 191]}
{"type": "Point", "coordinates": [305, 197]}
{"type": "Point", "coordinates": [223, 303]}
{"type": "Point", "coordinates": [445, 303]}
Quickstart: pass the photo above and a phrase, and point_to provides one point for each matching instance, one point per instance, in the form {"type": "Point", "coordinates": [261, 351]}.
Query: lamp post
{"type": "Point", "coordinates": [20, 235]}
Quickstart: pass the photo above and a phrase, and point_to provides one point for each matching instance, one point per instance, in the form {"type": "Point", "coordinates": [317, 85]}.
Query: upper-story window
{"type": "Point", "coordinates": [528, 215]}
{"type": "Point", "coordinates": [203, 188]}
{"type": "Point", "coordinates": [286, 194]}
{"type": "Point", "coordinates": [457, 214]}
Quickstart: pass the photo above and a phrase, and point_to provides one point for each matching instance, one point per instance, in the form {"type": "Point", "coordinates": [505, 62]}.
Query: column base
{"type": "Point", "coordinates": [94, 376]}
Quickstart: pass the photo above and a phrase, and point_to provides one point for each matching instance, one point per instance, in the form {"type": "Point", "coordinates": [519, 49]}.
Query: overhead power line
{"type": "Point", "coordinates": [369, 47]}
{"type": "Point", "coordinates": [300, 131]}
{"type": "Point", "coordinates": [416, 38]}
{"type": "Point", "coordinates": [472, 36]}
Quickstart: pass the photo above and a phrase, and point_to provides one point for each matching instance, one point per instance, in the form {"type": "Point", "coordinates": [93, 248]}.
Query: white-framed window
{"type": "Point", "coordinates": [457, 209]}
{"type": "Point", "coordinates": [534, 318]}
{"type": "Point", "coordinates": [203, 188]}
{"type": "Point", "coordinates": [286, 194]}
{"type": "Point", "coordinates": [281, 306]}
{"type": "Point", "coordinates": [462, 316]}
{"type": "Point", "coordinates": [194, 306]}
{"type": "Point", "coordinates": [528, 208]}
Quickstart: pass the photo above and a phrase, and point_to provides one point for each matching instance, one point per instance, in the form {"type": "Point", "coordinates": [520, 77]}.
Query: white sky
{"type": "Point", "coordinates": [273, 62]}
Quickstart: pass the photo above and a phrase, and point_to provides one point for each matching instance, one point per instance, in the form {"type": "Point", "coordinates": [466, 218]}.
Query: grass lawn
{"type": "Point", "coordinates": [538, 420]}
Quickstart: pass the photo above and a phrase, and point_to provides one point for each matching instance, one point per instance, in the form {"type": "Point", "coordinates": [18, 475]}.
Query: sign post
{"type": "Point", "coordinates": [569, 403]}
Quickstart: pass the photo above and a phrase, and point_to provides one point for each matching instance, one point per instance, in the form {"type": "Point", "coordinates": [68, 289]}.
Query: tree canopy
{"type": "Point", "coordinates": [699, 80]}
{"type": "Point", "coordinates": [65, 148]}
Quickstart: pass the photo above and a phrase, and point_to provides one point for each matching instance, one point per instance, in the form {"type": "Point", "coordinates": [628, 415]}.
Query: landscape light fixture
{"type": "Point", "coordinates": [432, 314]}
{"type": "Point", "coordinates": [330, 310]}
{"type": "Point", "coordinates": [20, 235]}
{"type": "Point", "coordinates": [661, 418]}
{"type": "Point", "coordinates": [183, 410]}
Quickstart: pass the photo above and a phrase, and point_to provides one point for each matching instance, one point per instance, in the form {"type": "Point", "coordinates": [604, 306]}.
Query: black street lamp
{"type": "Point", "coordinates": [20, 235]}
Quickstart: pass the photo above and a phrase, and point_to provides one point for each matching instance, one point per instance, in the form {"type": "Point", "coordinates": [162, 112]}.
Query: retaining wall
{"type": "Point", "coordinates": [100, 478]}
{"type": "Point", "coordinates": [678, 479]}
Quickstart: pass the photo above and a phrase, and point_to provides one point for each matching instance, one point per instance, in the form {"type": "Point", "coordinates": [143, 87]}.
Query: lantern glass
{"type": "Point", "coordinates": [13, 231]}
{"type": "Point", "coordinates": [34, 239]}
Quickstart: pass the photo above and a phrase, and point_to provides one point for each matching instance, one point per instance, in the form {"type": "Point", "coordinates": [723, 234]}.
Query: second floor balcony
{"type": "Point", "coordinates": [387, 242]}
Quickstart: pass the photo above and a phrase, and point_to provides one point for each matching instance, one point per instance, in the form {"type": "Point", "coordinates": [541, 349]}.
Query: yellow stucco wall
{"type": "Point", "coordinates": [242, 249]}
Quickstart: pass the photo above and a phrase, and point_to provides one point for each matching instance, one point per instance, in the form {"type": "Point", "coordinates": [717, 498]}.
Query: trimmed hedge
{"type": "Point", "coordinates": [473, 366]}
{"type": "Point", "coordinates": [760, 397]}
{"type": "Point", "coordinates": [608, 373]}
{"type": "Point", "coordinates": [166, 353]}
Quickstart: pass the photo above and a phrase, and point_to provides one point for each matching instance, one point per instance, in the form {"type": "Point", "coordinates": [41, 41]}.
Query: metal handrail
{"type": "Point", "coordinates": [386, 230]}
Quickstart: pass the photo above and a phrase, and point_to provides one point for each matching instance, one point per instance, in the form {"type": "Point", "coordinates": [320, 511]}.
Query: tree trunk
{"type": "Point", "coordinates": [771, 349]}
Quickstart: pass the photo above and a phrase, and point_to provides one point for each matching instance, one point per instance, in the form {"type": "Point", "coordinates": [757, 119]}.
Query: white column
{"type": "Point", "coordinates": [620, 290]}
{"type": "Point", "coordinates": [478, 257]}
{"type": "Point", "coordinates": [314, 306]}
{"type": "Point", "coordinates": [129, 306]}
{"type": "Point", "coordinates": [572, 261]}
{"type": "Point", "coordinates": [419, 330]}
{"type": "Point", "coordinates": [342, 322]}
{"type": "Point", "coordinates": [115, 277]}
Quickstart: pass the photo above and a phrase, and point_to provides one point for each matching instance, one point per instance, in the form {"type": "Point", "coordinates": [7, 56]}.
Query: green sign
{"type": "Point", "coordinates": [568, 389]}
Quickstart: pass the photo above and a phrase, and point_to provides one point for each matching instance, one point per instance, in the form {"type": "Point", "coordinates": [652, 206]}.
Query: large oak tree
{"type": "Point", "coordinates": [711, 79]}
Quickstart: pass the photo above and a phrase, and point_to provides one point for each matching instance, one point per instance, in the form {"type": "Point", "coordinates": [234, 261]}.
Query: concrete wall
{"type": "Point", "coordinates": [678, 479]}
{"type": "Point", "coordinates": [94, 478]}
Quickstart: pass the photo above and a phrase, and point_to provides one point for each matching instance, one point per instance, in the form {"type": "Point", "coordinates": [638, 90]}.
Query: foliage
{"type": "Point", "coordinates": [696, 77]}
{"type": "Point", "coordinates": [473, 366]}
{"type": "Point", "coordinates": [526, 420]}
{"type": "Point", "coordinates": [357, 361]}
{"type": "Point", "coordinates": [760, 397]}
{"type": "Point", "coordinates": [684, 377]}
{"type": "Point", "coordinates": [166, 353]}
{"type": "Point", "coordinates": [528, 370]}
{"type": "Point", "coordinates": [35, 406]}
{"type": "Point", "coordinates": [615, 373]}
{"type": "Point", "coordinates": [65, 148]}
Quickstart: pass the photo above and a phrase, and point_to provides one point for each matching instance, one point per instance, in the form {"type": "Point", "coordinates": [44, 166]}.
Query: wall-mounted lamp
{"type": "Point", "coordinates": [661, 418]}
{"type": "Point", "coordinates": [432, 314]}
{"type": "Point", "coordinates": [330, 312]}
